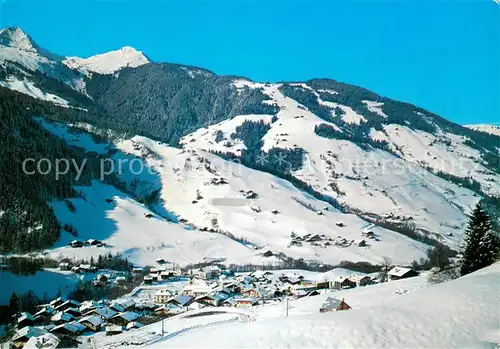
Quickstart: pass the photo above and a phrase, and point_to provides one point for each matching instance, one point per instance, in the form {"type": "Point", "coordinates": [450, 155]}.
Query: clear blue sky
{"type": "Point", "coordinates": [442, 55]}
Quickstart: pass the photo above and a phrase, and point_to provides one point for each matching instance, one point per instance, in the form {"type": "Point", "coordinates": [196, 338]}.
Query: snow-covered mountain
{"type": "Point", "coordinates": [20, 55]}
{"type": "Point", "coordinates": [491, 129]}
{"type": "Point", "coordinates": [393, 184]}
{"type": "Point", "coordinates": [15, 37]}
{"type": "Point", "coordinates": [245, 165]}
{"type": "Point", "coordinates": [109, 62]}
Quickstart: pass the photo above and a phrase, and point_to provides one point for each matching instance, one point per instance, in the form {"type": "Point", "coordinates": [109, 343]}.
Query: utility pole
{"type": "Point", "coordinates": [286, 307]}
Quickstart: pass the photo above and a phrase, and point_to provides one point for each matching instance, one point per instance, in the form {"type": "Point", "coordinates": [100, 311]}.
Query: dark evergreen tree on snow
{"type": "Point", "coordinates": [481, 246]}
{"type": "Point", "coordinates": [13, 304]}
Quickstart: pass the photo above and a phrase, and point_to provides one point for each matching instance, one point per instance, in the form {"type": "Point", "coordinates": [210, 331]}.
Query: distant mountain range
{"type": "Point", "coordinates": [326, 152]}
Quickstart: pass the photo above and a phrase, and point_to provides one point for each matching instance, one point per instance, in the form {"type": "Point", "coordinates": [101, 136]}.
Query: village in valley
{"type": "Point", "coordinates": [167, 291]}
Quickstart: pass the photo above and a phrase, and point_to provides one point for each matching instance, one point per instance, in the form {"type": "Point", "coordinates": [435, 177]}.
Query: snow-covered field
{"type": "Point", "coordinates": [408, 313]}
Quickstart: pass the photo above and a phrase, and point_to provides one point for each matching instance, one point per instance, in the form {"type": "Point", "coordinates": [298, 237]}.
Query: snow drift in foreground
{"type": "Point", "coordinates": [457, 314]}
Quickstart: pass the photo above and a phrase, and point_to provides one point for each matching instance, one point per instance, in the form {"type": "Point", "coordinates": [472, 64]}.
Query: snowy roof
{"type": "Point", "coordinates": [127, 303]}
{"type": "Point", "coordinates": [73, 327]}
{"type": "Point", "coordinates": [331, 303]}
{"type": "Point", "coordinates": [47, 309]}
{"type": "Point", "coordinates": [58, 299]}
{"type": "Point", "coordinates": [46, 341]}
{"type": "Point", "coordinates": [183, 300]}
{"type": "Point", "coordinates": [398, 271]}
{"type": "Point", "coordinates": [117, 306]}
{"type": "Point", "coordinates": [163, 292]}
{"type": "Point", "coordinates": [88, 305]}
{"type": "Point", "coordinates": [77, 325]}
{"type": "Point", "coordinates": [134, 324]}
{"type": "Point", "coordinates": [260, 273]}
{"type": "Point", "coordinates": [113, 328]}
{"type": "Point", "coordinates": [69, 302]}
{"type": "Point", "coordinates": [93, 319]}
{"type": "Point", "coordinates": [128, 316]}
{"type": "Point", "coordinates": [105, 312]}
{"type": "Point", "coordinates": [28, 332]}
{"type": "Point", "coordinates": [60, 316]}
{"type": "Point", "coordinates": [211, 269]}
{"type": "Point", "coordinates": [26, 316]}
{"type": "Point", "coordinates": [357, 278]}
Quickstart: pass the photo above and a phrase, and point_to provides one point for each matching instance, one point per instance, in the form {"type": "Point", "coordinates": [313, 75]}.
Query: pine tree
{"type": "Point", "coordinates": [13, 304]}
{"type": "Point", "coordinates": [480, 245]}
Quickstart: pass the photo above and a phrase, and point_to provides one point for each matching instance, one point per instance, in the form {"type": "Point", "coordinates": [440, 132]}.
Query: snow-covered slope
{"type": "Point", "coordinates": [109, 62]}
{"type": "Point", "coordinates": [212, 194]}
{"type": "Point", "coordinates": [218, 197]}
{"type": "Point", "coordinates": [457, 314]}
{"type": "Point", "coordinates": [491, 129]}
{"type": "Point", "coordinates": [126, 227]}
{"type": "Point", "coordinates": [28, 87]}
{"type": "Point", "coordinates": [372, 181]}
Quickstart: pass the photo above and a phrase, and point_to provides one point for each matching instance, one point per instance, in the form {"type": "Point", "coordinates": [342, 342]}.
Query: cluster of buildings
{"type": "Point", "coordinates": [69, 318]}
{"type": "Point", "coordinates": [161, 273]}
{"type": "Point", "coordinates": [101, 278]}
{"type": "Point", "coordinates": [323, 241]}
{"type": "Point", "coordinates": [213, 287]}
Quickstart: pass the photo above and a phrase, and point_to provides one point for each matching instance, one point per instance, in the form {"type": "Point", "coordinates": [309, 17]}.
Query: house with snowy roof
{"type": "Point", "coordinates": [92, 322]}
{"type": "Point", "coordinates": [105, 313]}
{"type": "Point", "coordinates": [181, 300]}
{"type": "Point", "coordinates": [58, 301]}
{"type": "Point", "coordinates": [246, 302]}
{"type": "Point", "coordinates": [70, 303]}
{"type": "Point", "coordinates": [88, 306]}
{"type": "Point", "coordinates": [75, 312]}
{"type": "Point", "coordinates": [24, 334]}
{"type": "Point", "coordinates": [44, 314]}
{"type": "Point", "coordinates": [70, 329]}
{"type": "Point", "coordinates": [210, 272]}
{"type": "Point", "coordinates": [333, 304]}
{"type": "Point", "coordinates": [341, 282]}
{"type": "Point", "coordinates": [133, 325]}
{"type": "Point", "coordinates": [162, 296]}
{"type": "Point", "coordinates": [26, 319]}
{"type": "Point", "coordinates": [123, 319]}
{"type": "Point", "coordinates": [398, 273]}
{"type": "Point", "coordinates": [360, 280]}
{"type": "Point", "coordinates": [213, 300]}
{"type": "Point", "coordinates": [61, 318]}
{"type": "Point", "coordinates": [45, 341]}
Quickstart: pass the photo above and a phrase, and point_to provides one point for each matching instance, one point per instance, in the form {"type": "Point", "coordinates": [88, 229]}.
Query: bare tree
{"type": "Point", "coordinates": [384, 271]}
